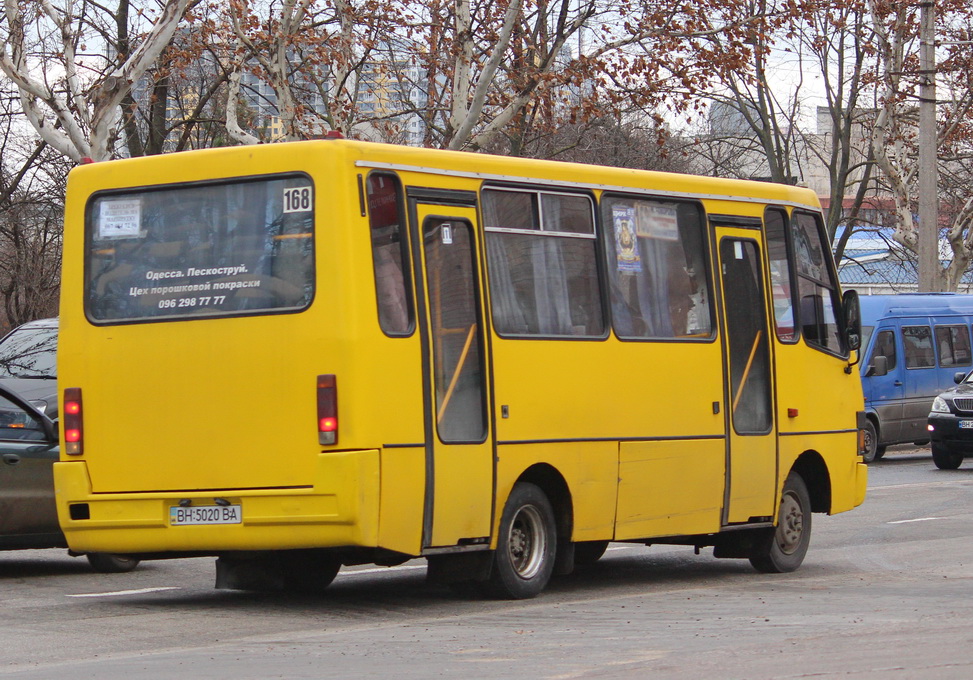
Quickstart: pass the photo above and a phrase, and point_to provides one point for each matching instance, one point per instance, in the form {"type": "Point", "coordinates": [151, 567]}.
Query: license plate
{"type": "Point", "coordinates": [966, 424]}
{"type": "Point", "coordinates": [206, 514]}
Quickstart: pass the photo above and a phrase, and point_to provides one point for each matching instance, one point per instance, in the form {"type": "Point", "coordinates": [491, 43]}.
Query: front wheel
{"type": "Point", "coordinates": [524, 559]}
{"type": "Point", "coordinates": [945, 459]}
{"type": "Point", "coordinates": [783, 549]}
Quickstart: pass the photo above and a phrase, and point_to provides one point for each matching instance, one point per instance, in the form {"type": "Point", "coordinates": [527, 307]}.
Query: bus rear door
{"type": "Point", "coordinates": [459, 440]}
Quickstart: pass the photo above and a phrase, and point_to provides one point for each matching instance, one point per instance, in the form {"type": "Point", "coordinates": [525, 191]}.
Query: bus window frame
{"type": "Point", "coordinates": [141, 188]}
{"type": "Point", "coordinates": [707, 259]}
{"type": "Point", "coordinates": [836, 301]}
{"type": "Point", "coordinates": [405, 243]}
{"type": "Point", "coordinates": [791, 274]}
{"type": "Point", "coordinates": [600, 275]}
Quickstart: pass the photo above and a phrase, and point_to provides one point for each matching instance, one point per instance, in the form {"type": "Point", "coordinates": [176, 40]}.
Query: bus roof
{"type": "Point", "coordinates": [486, 167]}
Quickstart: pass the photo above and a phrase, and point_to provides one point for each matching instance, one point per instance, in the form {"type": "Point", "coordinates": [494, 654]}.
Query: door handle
{"type": "Point", "coordinates": [11, 458]}
{"type": "Point", "coordinates": [898, 383]}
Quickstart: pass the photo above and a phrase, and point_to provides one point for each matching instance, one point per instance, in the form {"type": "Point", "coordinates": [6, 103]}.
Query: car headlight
{"type": "Point", "coordinates": [939, 405]}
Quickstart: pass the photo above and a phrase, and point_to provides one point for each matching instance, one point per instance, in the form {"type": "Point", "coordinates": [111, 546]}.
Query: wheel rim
{"type": "Point", "coordinates": [791, 527]}
{"type": "Point", "coordinates": [871, 444]}
{"type": "Point", "coordinates": [527, 542]}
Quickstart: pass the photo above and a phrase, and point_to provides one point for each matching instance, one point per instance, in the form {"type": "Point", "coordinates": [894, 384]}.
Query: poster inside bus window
{"type": "Point", "coordinates": [201, 250]}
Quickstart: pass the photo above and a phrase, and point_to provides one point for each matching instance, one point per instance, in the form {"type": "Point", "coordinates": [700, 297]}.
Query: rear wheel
{"type": "Point", "coordinates": [309, 572]}
{"type": "Point", "coordinates": [524, 559]}
{"type": "Point", "coordinates": [304, 571]}
{"type": "Point", "coordinates": [106, 563]}
{"type": "Point", "coordinates": [945, 459]}
{"type": "Point", "coordinates": [783, 549]}
{"type": "Point", "coordinates": [589, 552]}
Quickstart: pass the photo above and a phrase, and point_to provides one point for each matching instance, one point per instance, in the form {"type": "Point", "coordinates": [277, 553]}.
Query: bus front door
{"type": "Point", "coordinates": [750, 423]}
{"type": "Point", "coordinates": [459, 442]}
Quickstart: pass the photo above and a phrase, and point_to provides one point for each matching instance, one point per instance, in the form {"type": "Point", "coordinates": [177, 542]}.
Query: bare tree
{"type": "Point", "coordinates": [758, 117]}
{"type": "Point", "coordinates": [310, 54]}
{"type": "Point", "coordinates": [894, 139]}
{"type": "Point", "coordinates": [32, 180]}
{"type": "Point", "coordinates": [69, 92]}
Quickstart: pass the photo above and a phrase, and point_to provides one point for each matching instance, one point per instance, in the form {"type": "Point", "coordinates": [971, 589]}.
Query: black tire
{"type": "Point", "coordinates": [589, 552]}
{"type": "Point", "coordinates": [106, 563]}
{"type": "Point", "coordinates": [783, 549]}
{"type": "Point", "coordinates": [944, 459]}
{"type": "Point", "coordinates": [309, 572]}
{"type": "Point", "coordinates": [524, 559]}
{"type": "Point", "coordinates": [879, 452]}
{"type": "Point", "coordinates": [870, 454]}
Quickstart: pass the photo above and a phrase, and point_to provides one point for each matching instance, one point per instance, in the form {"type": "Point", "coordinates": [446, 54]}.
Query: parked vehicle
{"type": "Point", "coordinates": [913, 346]}
{"type": "Point", "coordinates": [951, 424]}
{"type": "Point", "coordinates": [28, 363]}
{"type": "Point", "coordinates": [28, 514]}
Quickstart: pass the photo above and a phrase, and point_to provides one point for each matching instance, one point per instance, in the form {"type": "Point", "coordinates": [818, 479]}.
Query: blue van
{"type": "Point", "coordinates": [913, 344]}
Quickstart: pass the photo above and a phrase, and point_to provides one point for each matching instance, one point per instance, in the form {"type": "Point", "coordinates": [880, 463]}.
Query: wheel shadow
{"type": "Point", "coordinates": [16, 564]}
{"type": "Point", "coordinates": [377, 594]}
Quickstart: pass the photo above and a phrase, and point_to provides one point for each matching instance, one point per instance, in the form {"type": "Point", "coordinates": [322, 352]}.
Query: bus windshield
{"type": "Point", "coordinates": [236, 247]}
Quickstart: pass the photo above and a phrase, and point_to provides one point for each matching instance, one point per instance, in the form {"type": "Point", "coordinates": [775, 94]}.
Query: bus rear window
{"type": "Point", "coordinates": [202, 250]}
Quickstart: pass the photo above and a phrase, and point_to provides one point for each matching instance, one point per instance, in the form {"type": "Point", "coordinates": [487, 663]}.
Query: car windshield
{"type": "Point", "coordinates": [29, 353]}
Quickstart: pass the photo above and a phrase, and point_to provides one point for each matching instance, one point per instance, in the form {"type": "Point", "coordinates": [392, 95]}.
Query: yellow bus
{"type": "Point", "coordinates": [301, 356]}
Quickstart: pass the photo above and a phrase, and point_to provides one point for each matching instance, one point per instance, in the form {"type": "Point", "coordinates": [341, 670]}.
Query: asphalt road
{"type": "Point", "coordinates": [885, 592]}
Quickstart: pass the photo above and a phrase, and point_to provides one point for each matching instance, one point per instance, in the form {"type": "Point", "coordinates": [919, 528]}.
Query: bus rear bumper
{"type": "Point", "coordinates": [340, 509]}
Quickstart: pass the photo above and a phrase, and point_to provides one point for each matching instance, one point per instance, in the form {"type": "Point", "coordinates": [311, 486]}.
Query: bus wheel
{"type": "Point", "coordinates": [524, 559]}
{"type": "Point", "coordinates": [783, 549]}
{"type": "Point", "coordinates": [589, 552]}
{"type": "Point", "coordinates": [870, 454]}
{"type": "Point", "coordinates": [945, 460]}
{"type": "Point", "coordinates": [309, 572]}
{"type": "Point", "coordinates": [105, 563]}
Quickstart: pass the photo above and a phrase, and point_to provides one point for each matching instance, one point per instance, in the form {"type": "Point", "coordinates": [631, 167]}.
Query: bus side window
{"type": "Point", "coordinates": [780, 274]}
{"type": "Point", "coordinates": [542, 263]}
{"type": "Point", "coordinates": [389, 254]}
{"type": "Point", "coordinates": [816, 284]}
{"type": "Point", "coordinates": [656, 268]}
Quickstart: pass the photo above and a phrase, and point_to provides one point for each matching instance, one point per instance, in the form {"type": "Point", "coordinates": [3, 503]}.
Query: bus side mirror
{"type": "Point", "coordinates": [852, 318]}
{"type": "Point", "coordinates": [879, 366]}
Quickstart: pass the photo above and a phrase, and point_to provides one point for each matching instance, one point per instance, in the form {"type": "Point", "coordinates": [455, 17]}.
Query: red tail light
{"type": "Point", "coordinates": [327, 410]}
{"type": "Point", "coordinates": [72, 422]}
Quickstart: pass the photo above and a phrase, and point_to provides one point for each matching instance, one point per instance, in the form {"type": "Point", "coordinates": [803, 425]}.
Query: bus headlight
{"type": "Point", "coordinates": [939, 405]}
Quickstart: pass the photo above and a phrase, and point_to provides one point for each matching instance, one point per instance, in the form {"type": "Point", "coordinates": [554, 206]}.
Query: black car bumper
{"type": "Point", "coordinates": [946, 431]}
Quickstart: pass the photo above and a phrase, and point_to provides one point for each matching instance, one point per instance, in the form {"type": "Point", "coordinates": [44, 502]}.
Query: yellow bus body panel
{"type": "Point", "coordinates": [591, 468]}
{"type": "Point", "coordinates": [648, 472]}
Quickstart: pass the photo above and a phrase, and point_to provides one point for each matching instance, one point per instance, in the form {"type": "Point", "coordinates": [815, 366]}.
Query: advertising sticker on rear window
{"type": "Point", "coordinates": [120, 218]}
